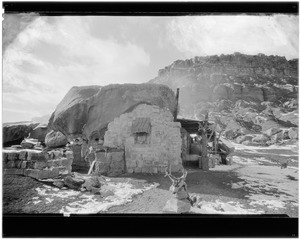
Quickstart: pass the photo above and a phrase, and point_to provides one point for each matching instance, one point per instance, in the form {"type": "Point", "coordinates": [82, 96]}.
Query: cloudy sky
{"type": "Point", "coordinates": [43, 57]}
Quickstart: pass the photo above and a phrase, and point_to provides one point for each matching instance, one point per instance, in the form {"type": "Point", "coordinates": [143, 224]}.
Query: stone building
{"type": "Point", "coordinates": [125, 128]}
{"type": "Point", "coordinates": [147, 139]}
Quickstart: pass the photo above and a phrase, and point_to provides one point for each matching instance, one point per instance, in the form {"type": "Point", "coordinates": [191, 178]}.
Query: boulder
{"type": "Point", "coordinates": [90, 183]}
{"type": "Point", "coordinates": [95, 190]}
{"type": "Point", "coordinates": [272, 131]}
{"type": "Point", "coordinates": [277, 137]}
{"type": "Point", "coordinates": [242, 139]}
{"type": "Point", "coordinates": [39, 132]}
{"type": "Point", "coordinates": [58, 184]}
{"type": "Point", "coordinates": [261, 139]}
{"type": "Point", "coordinates": [105, 193]}
{"type": "Point", "coordinates": [249, 143]}
{"type": "Point", "coordinates": [14, 133]}
{"type": "Point", "coordinates": [95, 107]}
{"type": "Point", "coordinates": [245, 131]}
{"type": "Point", "coordinates": [74, 183]}
{"type": "Point", "coordinates": [293, 133]}
{"type": "Point", "coordinates": [55, 139]}
{"type": "Point", "coordinates": [289, 119]}
{"type": "Point", "coordinates": [177, 206]}
{"type": "Point", "coordinates": [229, 134]}
{"type": "Point", "coordinates": [75, 103]}
{"type": "Point", "coordinates": [28, 143]}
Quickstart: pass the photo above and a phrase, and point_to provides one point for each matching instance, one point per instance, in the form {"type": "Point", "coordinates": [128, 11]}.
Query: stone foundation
{"type": "Point", "coordinates": [160, 148]}
{"type": "Point", "coordinates": [110, 163]}
{"type": "Point", "coordinates": [37, 164]}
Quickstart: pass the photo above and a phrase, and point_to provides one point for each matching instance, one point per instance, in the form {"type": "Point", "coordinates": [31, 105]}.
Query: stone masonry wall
{"type": "Point", "coordinates": [164, 141]}
{"type": "Point", "coordinates": [37, 164]}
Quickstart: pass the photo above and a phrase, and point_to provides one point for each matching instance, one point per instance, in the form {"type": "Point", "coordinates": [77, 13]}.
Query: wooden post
{"type": "Point", "coordinates": [204, 157]}
{"type": "Point", "coordinates": [215, 144]}
{"type": "Point", "coordinates": [176, 106]}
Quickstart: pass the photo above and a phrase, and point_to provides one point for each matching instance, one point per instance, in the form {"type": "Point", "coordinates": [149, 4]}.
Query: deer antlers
{"type": "Point", "coordinates": [184, 174]}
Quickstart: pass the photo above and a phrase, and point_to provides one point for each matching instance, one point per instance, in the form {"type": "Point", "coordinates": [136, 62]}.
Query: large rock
{"type": "Point", "coordinates": [249, 143]}
{"type": "Point", "coordinates": [242, 139]}
{"type": "Point", "coordinates": [74, 183]}
{"type": "Point", "coordinates": [229, 134]}
{"type": "Point", "coordinates": [90, 183]}
{"type": "Point", "coordinates": [261, 139]}
{"type": "Point", "coordinates": [289, 119]}
{"type": "Point", "coordinates": [40, 132]}
{"type": "Point", "coordinates": [293, 133]}
{"type": "Point", "coordinates": [278, 136]}
{"type": "Point", "coordinates": [28, 143]}
{"type": "Point", "coordinates": [272, 131]}
{"type": "Point", "coordinates": [75, 103]}
{"type": "Point", "coordinates": [95, 107]}
{"type": "Point", "coordinates": [55, 139]}
{"type": "Point", "coordinates": [14, 133]}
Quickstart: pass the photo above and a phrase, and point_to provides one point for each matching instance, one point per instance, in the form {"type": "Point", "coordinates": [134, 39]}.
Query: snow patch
{"type": "Point", "coordinates": [123, 193]}
{"type": "Point", "coordinates": [61, 194]}
{"type": "Point", "coordinates": [274, 204]}
{"type": "Point", "coordinates": [219, 207]}
{"type": "Point", "coordinates": [49, 200]}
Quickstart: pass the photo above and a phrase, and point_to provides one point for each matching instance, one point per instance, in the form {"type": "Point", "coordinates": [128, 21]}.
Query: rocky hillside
{"type": "Point", "coordinates": [252, 91]}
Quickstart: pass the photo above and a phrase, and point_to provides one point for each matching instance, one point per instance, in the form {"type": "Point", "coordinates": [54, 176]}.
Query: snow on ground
{"type": "Point", "coordinates": [293, 147]}
{"type": "Point", "coordinates": [54, 192]}
{"type": "Point", "coordinates": [268, 186]}
{"type": "Point", "coordinates": [87, 203]}
{"type": "Point", "coordinates": [123, 193]}
{"type": "Point", "coordinates": [219, 207]}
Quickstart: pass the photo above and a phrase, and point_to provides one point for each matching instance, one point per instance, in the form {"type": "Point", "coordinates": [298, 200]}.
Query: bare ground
{"type": "Point", "coordinates": [255, 181]}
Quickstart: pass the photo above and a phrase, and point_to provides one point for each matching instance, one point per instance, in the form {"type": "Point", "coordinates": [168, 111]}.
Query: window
{"type": "Point", "coordinates": [141, 128]}
{"type": "Point", "coordinates": [141, 138]}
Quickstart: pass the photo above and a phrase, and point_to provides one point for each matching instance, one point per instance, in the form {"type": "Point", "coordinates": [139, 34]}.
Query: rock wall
{"type": "Point", "coordinates": [37, 164]}
{"type": "Point", "coordinates": [267, 86]}
{"type": "Point", "coordinates": [163, 143]}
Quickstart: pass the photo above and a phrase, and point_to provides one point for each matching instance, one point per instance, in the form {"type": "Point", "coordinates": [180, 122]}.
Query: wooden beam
{"type": "Point", "coordinates": [176, 106]}
{"type": "Point", "coordinates": [204, 157]}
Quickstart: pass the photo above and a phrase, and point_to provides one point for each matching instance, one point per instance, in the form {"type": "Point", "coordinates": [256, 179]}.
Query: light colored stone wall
{"type": "Point", "coordinates": [37, 164]}
{"type": "Point", "coordinates": [164, 145]}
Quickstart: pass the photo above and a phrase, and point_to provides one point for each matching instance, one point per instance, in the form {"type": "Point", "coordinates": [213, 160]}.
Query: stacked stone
{"type": "Point", "coordinates": [110, 163]}
{"type": "Point", "coordinates": [163, 147]}
{"type": "Point", "coordinates": [38, 164]}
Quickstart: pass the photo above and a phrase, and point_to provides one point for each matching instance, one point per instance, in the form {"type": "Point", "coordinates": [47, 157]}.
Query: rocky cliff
{"type": "Point", "coordinates": [248, 90]}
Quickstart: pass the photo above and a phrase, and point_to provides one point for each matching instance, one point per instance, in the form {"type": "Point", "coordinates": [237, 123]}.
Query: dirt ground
{"type": "Point", "coordinates": [254, 181]}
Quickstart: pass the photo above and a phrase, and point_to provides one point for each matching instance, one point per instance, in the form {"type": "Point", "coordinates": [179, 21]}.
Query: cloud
{"type": "Point", "coordinates": [53, 54]}
{"type": "Point", "coordinates": [210, 35]}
